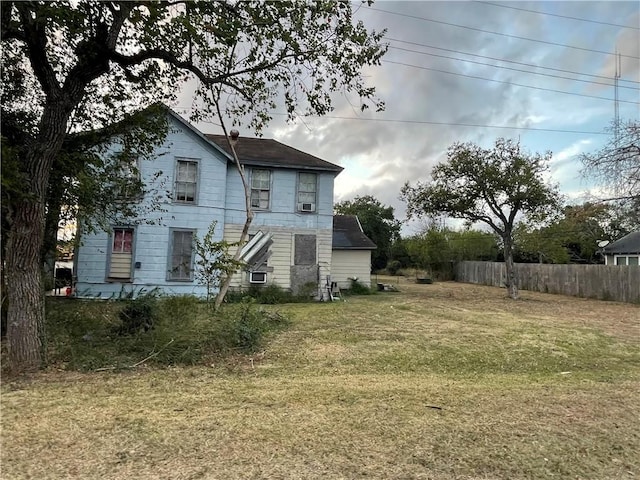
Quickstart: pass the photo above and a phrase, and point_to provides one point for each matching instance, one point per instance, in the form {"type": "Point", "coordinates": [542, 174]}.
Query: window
{"type": "Point", "coordinates": [624, 260]}
{"type": "Point", "coordinates": [121, 254]}
{"type": "Point", "coordinates": [307, 187]}
{"type": "Point", "coordinates": [181, 256]}
{"type": "Point", "coordinates": [260, 188]}
{"type": "Point", "coordinates": [186, 181]}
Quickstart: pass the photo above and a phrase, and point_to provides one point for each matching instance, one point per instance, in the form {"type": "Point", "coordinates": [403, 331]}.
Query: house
{"type": "Point", "coordinates": [291, 233]}
{"type": "Point", "coordinates": [625, 251]}
{"type": "Point", "coordinates": [351, 254]}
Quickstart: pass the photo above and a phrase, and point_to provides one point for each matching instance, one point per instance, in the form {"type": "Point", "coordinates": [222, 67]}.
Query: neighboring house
{"type": "Point", "coordinates": [291, 196]}
{"type": "Point", "coordinates": [625, 251]}
{"type": "Point", "coordinates": [351, 256]}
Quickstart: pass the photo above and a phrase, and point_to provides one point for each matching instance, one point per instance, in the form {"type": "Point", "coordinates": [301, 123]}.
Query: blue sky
{"type": "Point", "coordinates": [427, 110]}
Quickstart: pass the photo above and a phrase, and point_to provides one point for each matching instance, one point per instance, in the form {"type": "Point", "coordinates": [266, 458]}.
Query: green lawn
{"type": "Point", "coordinates": [442, 381]}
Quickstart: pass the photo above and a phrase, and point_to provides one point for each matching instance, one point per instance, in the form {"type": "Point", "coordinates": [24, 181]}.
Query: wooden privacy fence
{"type": "Point", "coordinates": [605, 282]}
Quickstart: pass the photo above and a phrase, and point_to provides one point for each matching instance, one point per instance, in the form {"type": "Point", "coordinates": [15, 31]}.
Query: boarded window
{"type": "Point", "coordinates": [305, 250]}
{"type": "Point", "coordinates": [186, 181]}
{"type": "Point", "coordinates": [121, 254]}
{"type": "Point", "coordinates": [181, 255]}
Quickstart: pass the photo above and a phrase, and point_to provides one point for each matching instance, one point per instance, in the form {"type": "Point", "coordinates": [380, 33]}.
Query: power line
{"type": "Point", "coordinates": [508, 83]}
{"type": "Point", "coordinates": [557, 15]}
{"type": "Point", "coordinates": [512, 69]}
{"type": "Point", "coordinates": [454, 124]}
{"type": "Point", "coordinates": [505, 60]}
{"type": "Point", "coordinates": [499, 33]}
{"type": "Point", "coordinates": [427, 122]}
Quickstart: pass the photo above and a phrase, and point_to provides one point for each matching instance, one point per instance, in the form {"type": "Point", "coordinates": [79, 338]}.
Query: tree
{"type": "Point", "coordinates": [491, 186]}
{"type": "Point", "coordinates": [617, 164]}
{"type": "Point", "coordinates": [572, 237]}
{"type": "Point", "coordinates": [85, 65]}
{"type": "Point", "coordinates": [378, 223]}
{"type": "Point", "coordinates": [214, 261]}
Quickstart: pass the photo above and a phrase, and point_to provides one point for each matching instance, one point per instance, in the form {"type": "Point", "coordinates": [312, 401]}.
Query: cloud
{"type": "Point", "coordinates": [428, 110]}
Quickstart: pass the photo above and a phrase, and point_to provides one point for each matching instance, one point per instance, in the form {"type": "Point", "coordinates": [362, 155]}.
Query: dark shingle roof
{"type": "Point", "coordinates": [627, 244]}
{"type": "Point", "coordinates": [348, 234]}
{"type": "Point", "coordinates": [270, 153]}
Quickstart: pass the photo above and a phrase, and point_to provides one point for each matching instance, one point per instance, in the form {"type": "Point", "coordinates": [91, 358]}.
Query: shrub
{"type": "Point", "coordinates": [88, 335]}
{"type": "Point", "coordinates": [138, 315]}
{"type": "Point", "coordinates": [271, 294]}
{"type": "Point", "coordinates": [393, 267]}
{"type": "Point", "coordinates": [359, 288]}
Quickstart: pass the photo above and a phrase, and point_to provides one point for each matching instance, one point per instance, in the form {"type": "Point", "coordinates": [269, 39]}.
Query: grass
{"type": "Point", "coordinates": [443, 381]}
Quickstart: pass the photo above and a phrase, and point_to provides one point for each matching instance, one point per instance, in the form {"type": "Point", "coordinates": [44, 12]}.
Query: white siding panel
{"type": "Point", "coordinates": [120, 265]}
{"type": "Point", "coordinates": [282, 252]}
{"type": "Point", "coordinates": [346, 264]}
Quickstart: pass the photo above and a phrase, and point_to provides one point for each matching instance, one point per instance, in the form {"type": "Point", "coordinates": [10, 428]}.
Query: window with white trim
{"type": "Point", "coordinates": [627, 259]}
{"type": "Point", "coordinates": [121, 254]}
{"type": "Point", "coordinates": [181, 256]}
{"type": "Point", "coordinates": [260, 188]}
{"type": "Point", "coordinates": [307, 189]}
{"type": "Point", "coordinates": [186, 181]}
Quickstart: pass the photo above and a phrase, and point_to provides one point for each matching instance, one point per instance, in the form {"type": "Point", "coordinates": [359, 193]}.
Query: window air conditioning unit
{"type": "Point", "coordinates": [308, 207]}
{"type": "Point", "coordinates": [257, 277]}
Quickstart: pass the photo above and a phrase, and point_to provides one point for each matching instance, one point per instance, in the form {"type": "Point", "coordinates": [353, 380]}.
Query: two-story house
{"type": "Point", "coordinates": [291, 196]}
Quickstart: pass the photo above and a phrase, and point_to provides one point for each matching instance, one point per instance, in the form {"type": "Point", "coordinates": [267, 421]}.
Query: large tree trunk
{"type": "Point", "coordinates": [512, 276]}
{"type": "Point", "coordinates": [26, 342]}
{"type": "Point", "coordinates": [25, 314]}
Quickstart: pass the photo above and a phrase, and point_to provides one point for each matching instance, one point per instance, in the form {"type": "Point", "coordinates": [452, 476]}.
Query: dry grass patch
{"type": "Point", "coordinates": [440, 381]}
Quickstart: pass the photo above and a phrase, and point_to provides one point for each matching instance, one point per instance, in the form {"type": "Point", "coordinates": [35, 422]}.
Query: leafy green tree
{"type": "Point", "coordinates": [472, 245]}
{"type": "Point", "coordinates": [570, 238]}
{"type": "Point", "coordinates": [378, 223]}
{"type": "Point", "coordinates": [213, 261]}
{"type": "Point", "coordinates": [85, 65]}
{"type": "Point", "coordinates": [491, 186]}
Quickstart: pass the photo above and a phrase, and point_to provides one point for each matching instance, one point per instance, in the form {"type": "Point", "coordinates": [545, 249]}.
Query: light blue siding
{"type": "Point", "coordinates": [283, 206]}
{"type": "Point", "coordinates": [151, 247]}
{"type": "Point", "coordinates": [220, 197]}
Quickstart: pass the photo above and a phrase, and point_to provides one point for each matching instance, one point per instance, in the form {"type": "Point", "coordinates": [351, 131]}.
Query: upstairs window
{"type": "Point", "coordinates": [186, 181]}
{"type": "Point", "coordinates": [260, 188]}
{"type": "Point", "coordinates": [307, 188]}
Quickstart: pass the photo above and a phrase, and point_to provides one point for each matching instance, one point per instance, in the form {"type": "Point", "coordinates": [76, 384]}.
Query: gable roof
{"type": "Point", "coordinates": [195, 131]}
{"type": "Point", "coordinates": [271, 153]}
{"type": "Point", "coordinates": [348, 234]}
{"type": "Point", "coordinates": [627, 244]}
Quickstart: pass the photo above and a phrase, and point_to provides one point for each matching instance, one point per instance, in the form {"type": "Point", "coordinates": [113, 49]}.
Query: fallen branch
{"type": "Point", "coordinates": [153, 354]}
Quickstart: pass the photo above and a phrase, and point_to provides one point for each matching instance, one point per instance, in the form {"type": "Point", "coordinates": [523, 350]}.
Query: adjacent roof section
{"type": "Point", "coordinates": [270, 153]}
{"type": "Point", "coordinates": [627, 244]}
{"type": "Point", "coordinates": [348, 234]}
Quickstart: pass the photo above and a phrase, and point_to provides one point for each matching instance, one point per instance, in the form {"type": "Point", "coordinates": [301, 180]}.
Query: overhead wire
{"type": "Point", "coordinates": [557, 15]}
{"type": "Point", "coordinates": [508, 83]}
{"type": "Point", "coordinates": [424, 122]}
{"type": "Point", "coordinates": [546, 42]}
{"type": "Point", "coordinates": [507, 61]}
{"type": "Point", "coordinates": [513, 69]}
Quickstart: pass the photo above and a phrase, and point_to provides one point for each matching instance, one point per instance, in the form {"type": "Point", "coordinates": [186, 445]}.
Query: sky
{"type": "Point", "coordinates": [544, 76]}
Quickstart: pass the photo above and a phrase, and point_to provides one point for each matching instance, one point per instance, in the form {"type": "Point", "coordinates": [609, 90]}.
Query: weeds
{"type": "Point", "coordinates": [89, 335]}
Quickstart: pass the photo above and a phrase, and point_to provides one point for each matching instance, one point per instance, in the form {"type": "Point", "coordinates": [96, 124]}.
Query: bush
{"type": "Point", "coordinates": [243, 327]}
{"type": "Point", "coordinates": [139, 315]}
{"type": "Point", "coordinates": [393, 267]}
{"type": "Point", "coordinates": [88, 335]}
{"type": "Point", "coordinates": [358, 288]}
{"type": "Point", "coordinates": [271, 294]}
